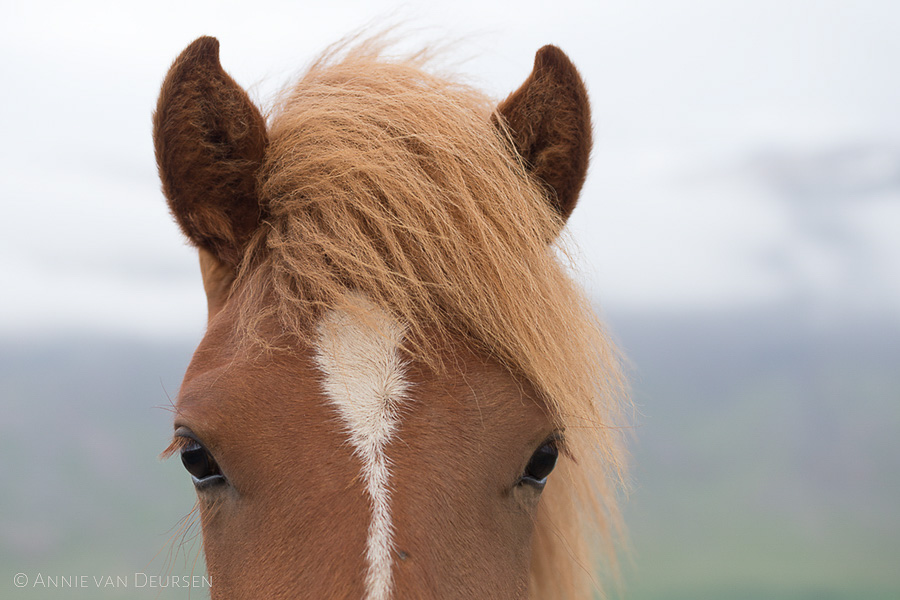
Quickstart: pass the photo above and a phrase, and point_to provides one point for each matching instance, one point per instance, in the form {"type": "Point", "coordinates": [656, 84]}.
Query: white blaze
{"type": "Point", "coordinates": [364, 378]}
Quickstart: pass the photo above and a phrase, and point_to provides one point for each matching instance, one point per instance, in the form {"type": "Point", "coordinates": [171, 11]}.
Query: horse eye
{"type": "Point", "coordinates": [201, 465]}
{"type": "Point", "coordinates": [541, 464]}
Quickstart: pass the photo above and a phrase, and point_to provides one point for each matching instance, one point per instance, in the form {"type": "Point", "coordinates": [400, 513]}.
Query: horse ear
{"type": "Point", "coordinates": [210, 142]}
{"type": "Point", "coordinates": [549, 119]}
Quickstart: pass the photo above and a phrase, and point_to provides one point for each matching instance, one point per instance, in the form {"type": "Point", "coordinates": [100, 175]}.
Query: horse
{"type": "Point", "coordinates": [401, 391]}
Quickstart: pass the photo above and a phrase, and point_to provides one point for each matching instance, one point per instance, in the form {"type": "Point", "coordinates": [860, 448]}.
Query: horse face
{"type": "Point", "coordinates": [430, 490]}
{"type": "Point", "coordinates": [345, 467]}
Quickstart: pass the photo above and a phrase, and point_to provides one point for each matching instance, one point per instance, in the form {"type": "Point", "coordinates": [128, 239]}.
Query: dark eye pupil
{"type": "Point", "coordinates": [542, 463]}
{"type": "Point", "coordinates": [198, 461]}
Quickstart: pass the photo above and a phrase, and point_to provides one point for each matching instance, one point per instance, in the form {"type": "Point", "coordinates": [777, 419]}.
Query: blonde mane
{"type": "Point", "coordinates": [384, 179]}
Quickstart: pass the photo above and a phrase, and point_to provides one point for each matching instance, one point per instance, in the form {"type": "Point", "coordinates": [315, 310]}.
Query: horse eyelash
{"type": "Point", "coordinates": [177, 445]}
{"type": "Point", "coordinates": [562, 445]}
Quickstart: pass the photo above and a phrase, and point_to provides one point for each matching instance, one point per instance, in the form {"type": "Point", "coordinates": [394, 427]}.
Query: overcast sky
{"type": "Point", "coordinates": [747, 154]}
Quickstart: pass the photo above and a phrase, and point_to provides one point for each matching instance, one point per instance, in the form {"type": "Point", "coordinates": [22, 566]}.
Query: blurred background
{"type": "Point", "coordinates": [740, 231]}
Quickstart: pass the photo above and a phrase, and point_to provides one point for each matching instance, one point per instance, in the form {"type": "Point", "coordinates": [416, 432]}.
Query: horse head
{"type": "Point", "coordinates": [400, 392]}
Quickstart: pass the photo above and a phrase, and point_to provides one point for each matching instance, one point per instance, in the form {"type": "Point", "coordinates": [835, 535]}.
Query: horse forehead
{"type": "Point", "coordinates": [356, 351]}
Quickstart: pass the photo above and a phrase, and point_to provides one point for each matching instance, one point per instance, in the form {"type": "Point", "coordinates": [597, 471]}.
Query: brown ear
{"type": "Point", "coordinates": [550, 121]}
{"type": "Point", "coordinates": [210, 142]}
